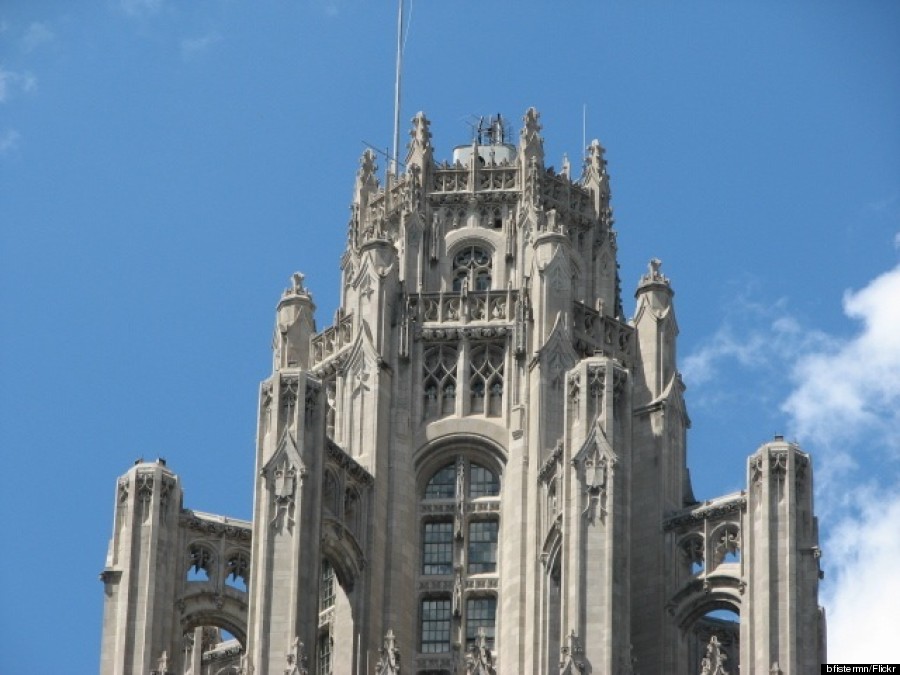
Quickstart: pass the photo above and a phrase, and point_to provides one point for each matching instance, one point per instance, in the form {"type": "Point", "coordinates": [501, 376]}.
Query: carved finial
{"type": "Point", "coordinates": [480, 660]}
{"type": "Point", "coordinates": [389, 662]}
{"type": "Point", "coordinates": [367, 166]}
{"type": "Point", "coordinates": [653, 275]}
{"type": "Point", "coordinates": [714, 661]}
{"type": "Point", "coordinates": [530, 141]}
{"type": "Point", "coordinates": [570, 656]}
{"type": "Point", "coordinates": [421, 131]}
{"type": "Point", "coordinates": [296, 659]}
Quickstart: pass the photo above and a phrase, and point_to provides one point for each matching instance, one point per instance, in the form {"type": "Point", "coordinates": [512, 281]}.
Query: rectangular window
{"type": "Point", "coordinates": [326, 586]}
{"type": "Point", "coordinates": [483, 546]}
{"type": "Point", "coordinates": [323, 655]}
{"type": "Point", "coordinates": [480, 613]}
{"type": "Point", "coordinates": [435, 625]}
{"type": "Point", "coordinates": [437, 548]}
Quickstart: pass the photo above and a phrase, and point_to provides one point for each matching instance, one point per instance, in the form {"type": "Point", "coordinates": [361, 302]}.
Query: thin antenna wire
{"type": "Point", "coordinates": [397, 87]}
{"type": "Point", "coordinates": [584, 129]}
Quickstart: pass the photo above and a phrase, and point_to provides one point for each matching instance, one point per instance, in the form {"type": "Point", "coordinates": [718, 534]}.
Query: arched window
{"type": "Point", "coordinates": [486, 379]}
{"type": "Point", "coordinates": [326, 586]}
{"type": "Point", "coordinates": [439, 379]}
{"type": "Point", "coordinates": [330, 494]}
{"type": "Point", "coordinates": [472, 267]}
{"type": "Point", "coordinates": [237, 568]}
{"type": "Point", "coordinates": [482, 481]}
{"type": "Point", "coordinates": [460, 530]}
{"type": "Point", "coordinates": [200, 563]}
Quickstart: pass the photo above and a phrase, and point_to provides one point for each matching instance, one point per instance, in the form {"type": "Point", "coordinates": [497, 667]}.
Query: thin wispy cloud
{"type": "Point", "coordinates": [140, 7]}
{"type": "Point", "coordinates": [36, 35]}
{"type": "Point", "coordinates": [755, 336]}
{"type": "Point", "coordinates": [12, 82]}
{"type": "Point", "coordinates": [193, 47]}
{"type": "Point", "coordinates": [9, 141]}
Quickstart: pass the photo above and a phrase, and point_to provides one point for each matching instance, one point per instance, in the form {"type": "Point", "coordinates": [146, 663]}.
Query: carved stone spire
{"type": "Point", "coordinates": [420, 150]}
{"type": "Point", "coordinates": [595, 178]}
{"type": "Point", "coordinates": [531, 145]}
{"type": "Point", "coordinates": [294, 325]}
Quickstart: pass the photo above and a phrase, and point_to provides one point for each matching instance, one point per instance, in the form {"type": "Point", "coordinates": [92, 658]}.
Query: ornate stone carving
{"type": "Point", "coordinates": [296, 660]}
{"type": "Point", "coordinates": [389, 661]}
{"type": "Point", "coordinates": [480, 660]}
{"type": "Point", "coordinates": [716, 510]}
{"type": "Point", "coordinates": [596, 475]}
{"type": "Point", "coordinates": [571, 654]}
{"type": "Point", "coordinates": [460, 513]}
{"type": "Point", "coordinates": [714, 661]}
{"type": "Point", "coordinates": [290, 387]}
{"type": "Point", "coordinates": [284, 485]}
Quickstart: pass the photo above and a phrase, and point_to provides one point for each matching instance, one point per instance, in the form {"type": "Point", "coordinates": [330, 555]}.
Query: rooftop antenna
{"type": "Point", "coordinates": [584, 129]}
{"type": "Point", "coordinates": [397, 87]}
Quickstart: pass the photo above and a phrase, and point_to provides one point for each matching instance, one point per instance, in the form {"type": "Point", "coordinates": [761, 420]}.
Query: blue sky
{"type": "Point", "coordinates": [165, 166]}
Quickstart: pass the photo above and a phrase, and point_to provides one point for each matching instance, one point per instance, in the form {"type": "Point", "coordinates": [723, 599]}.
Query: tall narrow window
{"type": "Point", "coordinates": [437, 551]}
{"type": "Point", "coordinates": [439, 380]}
{"type": "Point", "coordinates": [481, 612]}
{"type": "Point", "coordinates": [326, 586]}
{"type": "Point", "coordinates": [483, 546]}
{"type": "Point", "coordinates": [472, 267]}
{"type": "Point", "coordinates": [486, 379]}
{"type": "Point", "coordinates": [323, 655]}
{"type": "Point", "coordinates": [459, 532]}
{"type": "Point", "coordinates": [435, 625]}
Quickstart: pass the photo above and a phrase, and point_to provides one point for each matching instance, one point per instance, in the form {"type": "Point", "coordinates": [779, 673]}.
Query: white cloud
{"type": "Point", "coordinates": [897, 241]}
{"type": "Point", "coordinates": [851, 389]}
{"type": "Point", "coordinates": [756, 337]}
{"type": "Point", "coordinates": [861, 585]}
{"type": "Point", "coordinates": [36, 35]}
{"type": "Point", "coordinates": [845, 405]}
{"type": "Point", "coordinates": [11, 81]}
{"type": "Point", "coordinates": [9, 141]}
{"type": "Point", "coordinates": [191, 47]}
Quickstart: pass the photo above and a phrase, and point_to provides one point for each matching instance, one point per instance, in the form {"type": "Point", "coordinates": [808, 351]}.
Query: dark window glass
{"type": "Point", "coordinates": [483, 482]}
{"type": "Point", "coordinates": [442, 484]}
{"type": "Point", "coordinates": [435, 625]}
{"type": "Point", "coordinates": [480, 613]}
{"type": "Point", "coordinates": [326, 586]}
{"type": "Point", "coordinates": [323, 655]}
{"type": "Point", "coordinates": [437, 550]}
{"type": "Point", "coordinates": [483, 546]}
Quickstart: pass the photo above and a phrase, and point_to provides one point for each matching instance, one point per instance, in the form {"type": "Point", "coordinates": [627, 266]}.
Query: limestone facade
{"type": "Point", "coordinates": [479, 467]}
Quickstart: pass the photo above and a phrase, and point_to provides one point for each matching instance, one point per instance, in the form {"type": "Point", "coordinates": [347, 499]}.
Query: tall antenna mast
{"type": "Point", "coordinates": [584, 129]}
{"type": "Point", "coordinates": [397, 88]}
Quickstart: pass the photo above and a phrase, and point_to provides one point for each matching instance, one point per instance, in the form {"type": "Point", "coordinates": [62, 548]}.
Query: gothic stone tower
{"type": "Point", "coordinates": [480, 467]}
